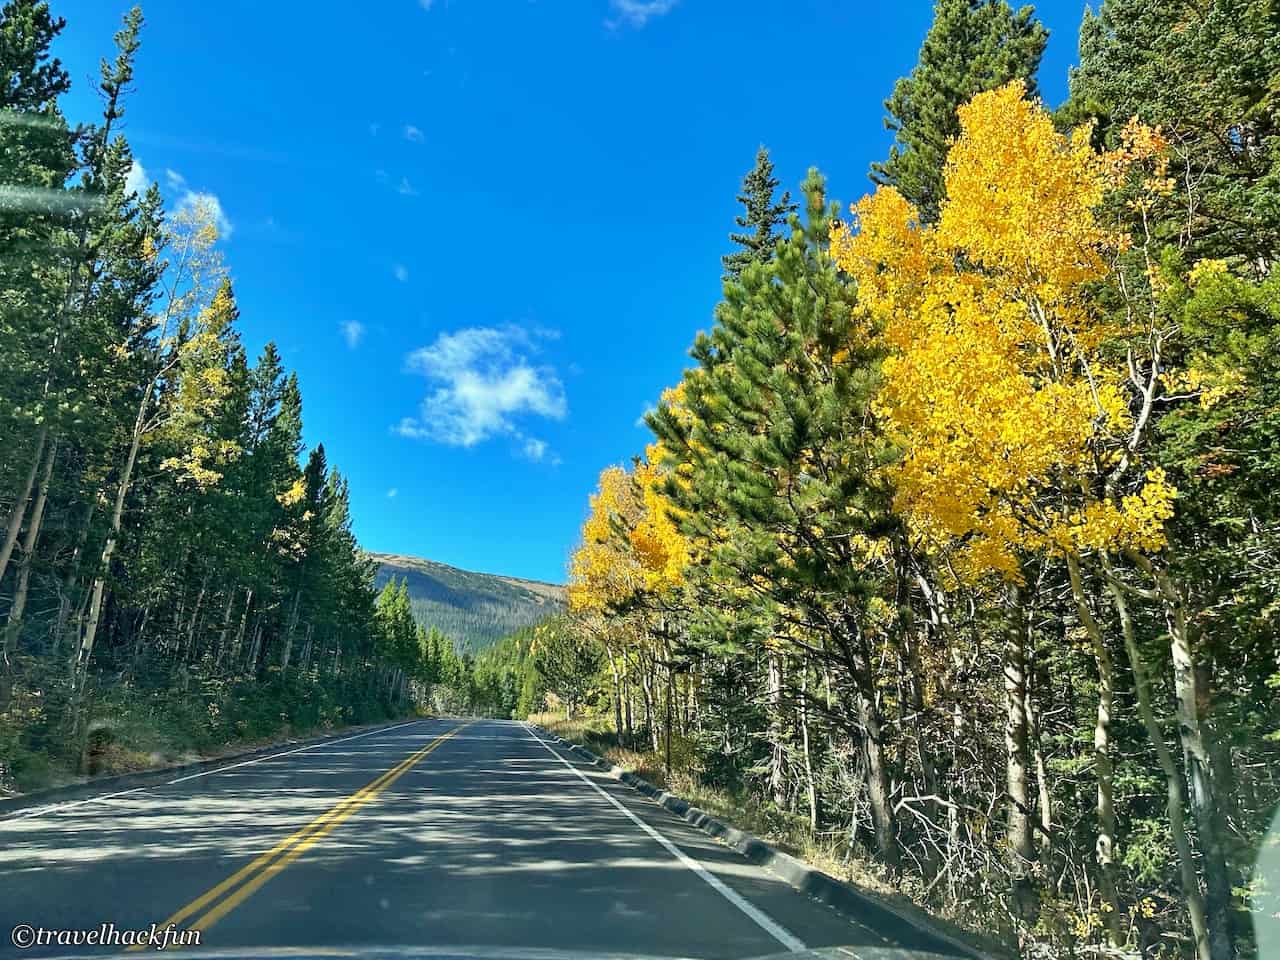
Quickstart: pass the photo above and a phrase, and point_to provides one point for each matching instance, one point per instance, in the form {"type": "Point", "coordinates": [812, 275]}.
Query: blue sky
{"type": "Point", "coordinates": [485, 232]}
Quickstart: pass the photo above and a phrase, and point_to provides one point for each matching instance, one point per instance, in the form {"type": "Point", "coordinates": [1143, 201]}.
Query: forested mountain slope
{"type": "Point", "coordinates": [472, 609]}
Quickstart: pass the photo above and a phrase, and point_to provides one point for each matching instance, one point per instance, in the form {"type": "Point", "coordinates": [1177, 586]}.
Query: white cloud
{"type": "Point", "coordinates": [209, 208]}
{"type": "Point", "coordinates": [534, 448]}
{"type": "Point", "coordinates": [137, 180]}
{"type": "Point", "coordinates": [406, 188]}
{"type": "Point", "coordinates": [391, 494]}
{"type": "Point", "coordinates": [401, 272]}
{"type": "Point", "coordinates": [353, 333]}
{"type": "Point", "coordinates": [413, 134]}
{"type": "Point", "coordinates": [636, 13]}
{"type": "Point", "coordinates": [483, 383]}
{"type": "Point", "coordinates": [207, 205]}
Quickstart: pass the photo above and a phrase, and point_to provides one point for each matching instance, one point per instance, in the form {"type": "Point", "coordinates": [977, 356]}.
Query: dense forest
{"type": "Point", "coordinates": [959, 540]}
{"type": "Point", "coordinates": [957, 544]}
{"type": "Point", "coordinates": [176, 571]}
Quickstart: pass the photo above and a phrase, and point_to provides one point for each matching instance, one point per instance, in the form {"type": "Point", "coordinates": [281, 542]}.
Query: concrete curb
{"type": "Point", "coordinates": [126, 782]}
{"type": "Point", "coordinates": [841, 897]}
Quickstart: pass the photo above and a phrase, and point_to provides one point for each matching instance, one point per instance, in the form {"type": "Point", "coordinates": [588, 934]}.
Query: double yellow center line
{"type": "Point", "coordinates": [238, 887]}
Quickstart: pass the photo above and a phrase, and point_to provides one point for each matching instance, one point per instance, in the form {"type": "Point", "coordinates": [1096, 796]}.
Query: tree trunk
{"type": "Point", "coordinates": [1198, 756]}
{"type": "Point", "coordinates": [646, 687]}
{"type": "Point", "coordinates": [188, 645]}
{"type": "Point", "coordinates": [1175, 801]}
{"type": "Point", "coordinates": [1018, 835]}
{"type": "Point", "coordinates": [617, 691]}
{"type": "Point", "coordinates": [221, 642]}
{"type": "Point", "coordinates": [288, 635]}
{"type": "Point", "coordinates": [108, 551]}
{"type": "Point", "coordinates": [255, 649]}
{"type": "Point", "coordinates": [810, 786]}
{"type": "Point", "coordinates": [878, 781]}
{"type": "Point", "coordinates": [1105, 846]}
{"type": "Point", "coordinates": [627, 717]}
{"type": "Point", "coordinates": [928, 768]}
{"type": "Point", "coordinates": [13, 526]}
{"type": "Point", "coordinates": [244, 622]}
{"type": "Point", "coordinates": [17, 607]}
{"type": "Point", "coordinates": [777, 754]}
{"type": "Point", "coordinates": [69, 581]}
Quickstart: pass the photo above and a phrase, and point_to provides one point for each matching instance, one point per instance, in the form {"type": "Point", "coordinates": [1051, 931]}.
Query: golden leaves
{"type": "Point", "coordinates": [996, 387]}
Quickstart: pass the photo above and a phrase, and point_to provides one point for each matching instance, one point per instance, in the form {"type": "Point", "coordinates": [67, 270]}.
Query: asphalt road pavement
{"type": "Point", "coordinates": [434, 834]}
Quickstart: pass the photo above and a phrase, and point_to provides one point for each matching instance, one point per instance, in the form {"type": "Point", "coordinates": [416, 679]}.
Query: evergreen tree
{"type": "Point", "coordinates": [1205, 73]}
{"type": "Point", "coordinates": [972, 46]}
{"type": "Point", "coordinates": [762, 216]}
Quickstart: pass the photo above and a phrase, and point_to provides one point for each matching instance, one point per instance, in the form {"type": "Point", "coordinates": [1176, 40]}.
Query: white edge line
{"type": "Point", "coordinates": [288, 753]}
{"type": "Point", "coordinates": [757, 916]}
{"type": "Point", "coordinates": [58, 807]}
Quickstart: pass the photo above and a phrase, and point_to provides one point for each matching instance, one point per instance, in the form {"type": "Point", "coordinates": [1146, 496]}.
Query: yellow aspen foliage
{"type": "Point", "coordinates": [630, 540]}
{"type": "Point", "coordinates": [661, 549]}
{"type": "Point", "coordinates": [603, 570]}
{"type": "Point", "coordinates": [1008, 411]}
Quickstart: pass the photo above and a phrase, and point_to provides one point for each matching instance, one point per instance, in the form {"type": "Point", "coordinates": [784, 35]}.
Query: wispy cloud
{"type": "Point", "coordinates": [210, 208]}
{"type": "Point", "coordinates": [413, 134]}
{"type": "Point", "coordinates": [636, 13]}
{"type": "Point", "coordinates": [353, 333]}
{"type": "Point", "coordinates": [137, 180]}
{"type": "Point", "coordinates": [391, 494]}
{"type": "Point", "coordinates": [406, 188]}
{"type": "Point", "coordinates": [208, 205]}
{"type": "Point", "coordinates": [425, 4]}
{"type": "Point", "coordinates": [484, 385]}
{"type": "Point", "coordinates": [401, 272]}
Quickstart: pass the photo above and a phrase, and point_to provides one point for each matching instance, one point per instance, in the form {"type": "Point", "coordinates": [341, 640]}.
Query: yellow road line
{"type": "Point", "coordinates": [253, 875]}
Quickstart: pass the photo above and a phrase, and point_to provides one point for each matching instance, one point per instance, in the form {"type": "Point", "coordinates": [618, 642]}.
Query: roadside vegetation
{"type": "Point", "coordinates": [956, 551]}
{"type": "Point", "coordinates": [177, 572]}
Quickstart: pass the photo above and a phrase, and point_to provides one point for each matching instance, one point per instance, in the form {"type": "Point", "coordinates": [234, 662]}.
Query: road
{"type": "Point", "coordinates": [436, 833]}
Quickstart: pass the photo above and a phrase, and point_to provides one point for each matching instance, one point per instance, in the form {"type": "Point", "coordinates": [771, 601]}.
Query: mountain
{"type": "Point", "coordinates": [473, 609]}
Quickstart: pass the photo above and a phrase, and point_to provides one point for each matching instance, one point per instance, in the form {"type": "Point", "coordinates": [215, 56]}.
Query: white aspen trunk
{"type": "Point", "coordinates": [189, 643]}
{"type": "Point", "coordinates": [1105, 845]}
{"type": "Point", "coordinates": [18, 607]}
{"type": "Point", "coordinates": [108, 551]}
{"type": "Point", "coordinates": [811, 787]}
{"type": "Point", "coordinates": [1175, 799]}
{"type": "Point", "coordinates": [14, 524]}
{"type": "Point", "coordinates": [226, 626]}
{"type": "Point", "coordinates": [777, 781]}
{"type": "Point", "coordinates": [244, 622]}
{"type": "Point", "coordinates": [288, 635]}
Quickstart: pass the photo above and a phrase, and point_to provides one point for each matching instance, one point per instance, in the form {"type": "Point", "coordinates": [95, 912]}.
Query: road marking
{"type": "Point", "coordinates": [289, 753]}
{"type": "Point", "coordinates": [58, 807]}
{"type": "Point", "coordinates": [242, 884]}
{"type": "Point", "coordinates": [758, 916]}
{"type": "Point", "coordinates": [41, 811]}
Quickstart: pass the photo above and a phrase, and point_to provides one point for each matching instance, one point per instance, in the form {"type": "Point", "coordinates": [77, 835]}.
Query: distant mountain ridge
{"type": "Point", "coordinates": [473, 609]}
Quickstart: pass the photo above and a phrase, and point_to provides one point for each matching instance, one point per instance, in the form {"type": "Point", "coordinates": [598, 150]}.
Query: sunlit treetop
{"type": "Point", "coordinates": [1010, 414]}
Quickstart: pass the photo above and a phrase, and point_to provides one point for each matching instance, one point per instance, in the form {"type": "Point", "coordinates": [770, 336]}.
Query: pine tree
{"type": "Point", "coordinates": [1205, 74]}
{"type": "Point", "coordinates": [772, 472]}
{"type": "Point", "coordinates": [762, 217]}
{"type": "Point", "coordinates": [972, 46]}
